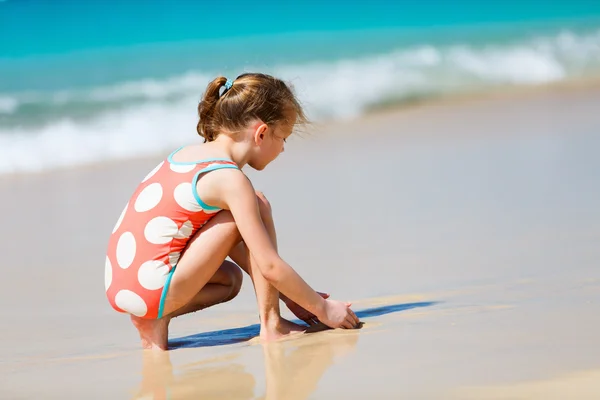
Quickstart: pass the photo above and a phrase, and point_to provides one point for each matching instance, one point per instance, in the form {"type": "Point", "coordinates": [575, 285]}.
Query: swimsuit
{"type": "Point", "coordinates": [164, 212]}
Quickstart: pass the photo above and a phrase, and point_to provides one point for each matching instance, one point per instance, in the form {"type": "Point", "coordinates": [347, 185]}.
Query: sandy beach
{"type": "Point", "coordinates": [466, 234]}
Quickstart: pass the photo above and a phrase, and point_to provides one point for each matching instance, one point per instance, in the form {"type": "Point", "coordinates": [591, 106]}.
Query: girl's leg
{"type": "Point", "coordinates": [198, 284]}
{"type": "Point", "coordinates": [224, 285]}
{"type": "Point", "coordinates": [272, 324]}
{"type": "Point", "coordinates": [196, 280]}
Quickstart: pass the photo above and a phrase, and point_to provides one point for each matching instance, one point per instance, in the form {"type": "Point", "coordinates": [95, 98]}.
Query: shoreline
{"type": "Point", "coordinates": [400, 109]}
{"type": "Point", "coordinates": [517, 92]}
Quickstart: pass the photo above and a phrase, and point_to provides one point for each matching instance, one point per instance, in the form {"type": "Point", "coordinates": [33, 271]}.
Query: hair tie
{"type": "Point", "coordinates": [228, 84]}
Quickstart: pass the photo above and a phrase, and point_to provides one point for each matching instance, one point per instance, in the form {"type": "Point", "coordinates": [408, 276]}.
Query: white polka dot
{"type": "Point", "coordinates": [185, 197]}
{"type": "Point", "coordinates": [131, 302]}
{"type": "Point", "coordinates": [152, 275]}
{"type": "Point", "coordinates": [149, 197]}
{"type": "Point", "coordinates": [186, 230]}
{"type": "Point", "coordinates": [174, 258]}
{"type": "Point", "coordinates": [125, 250]}
{"type": "Point", "coordinates": [160, 230]}
{"type": "Point", "coordinates": [182, 168]}
{"type": "Point", "coordinates": [107, 274]}
{"type": "Point", "coordinates": [120, 218]}
{"type": "Point", "coordinates": [154, 171]}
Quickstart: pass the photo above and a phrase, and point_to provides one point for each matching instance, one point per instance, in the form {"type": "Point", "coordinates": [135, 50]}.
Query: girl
{"type": "Point", "coordinates": [166, 254]}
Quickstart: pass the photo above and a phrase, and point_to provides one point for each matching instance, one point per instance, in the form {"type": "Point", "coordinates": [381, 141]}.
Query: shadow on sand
{"type": "Point", "coordinates": [237, 335]}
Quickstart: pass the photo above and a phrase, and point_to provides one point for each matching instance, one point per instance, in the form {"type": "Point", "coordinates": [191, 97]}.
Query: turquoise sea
{"type": "Point", "coordinates": [96, 80]}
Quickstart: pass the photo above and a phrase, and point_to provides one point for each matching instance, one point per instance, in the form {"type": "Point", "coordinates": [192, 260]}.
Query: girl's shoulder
{"type": "Point", "coordinates": [194, 154]}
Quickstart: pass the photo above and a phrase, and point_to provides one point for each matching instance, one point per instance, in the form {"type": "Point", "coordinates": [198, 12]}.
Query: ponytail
{"type": "Point", "coordinates": [206, 109]}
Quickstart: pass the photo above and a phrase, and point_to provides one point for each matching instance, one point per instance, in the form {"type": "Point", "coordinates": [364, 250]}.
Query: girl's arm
{"type": "Point", "coordinates": [231, 190]}
{"type": "Point", "coordinates": [239, 197]}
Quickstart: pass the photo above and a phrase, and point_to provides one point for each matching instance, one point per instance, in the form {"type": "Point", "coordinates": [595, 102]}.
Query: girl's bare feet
{"type": "Point", "coordinates": [222, 287]}
{"type": "Point", "coordinates": [277, 328]}
{"type": "Point", "coordinates": [154, 333]}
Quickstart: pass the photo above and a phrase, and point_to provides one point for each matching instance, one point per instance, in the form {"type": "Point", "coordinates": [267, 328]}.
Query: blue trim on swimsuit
{"type": "Point", "coordinates": [163, 296]}
{"type": "Point", "coordinates": [195, 182]}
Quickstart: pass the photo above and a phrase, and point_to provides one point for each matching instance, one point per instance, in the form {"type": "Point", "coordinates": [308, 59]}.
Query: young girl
{"type": "Point", "coordinates": [166, 254]}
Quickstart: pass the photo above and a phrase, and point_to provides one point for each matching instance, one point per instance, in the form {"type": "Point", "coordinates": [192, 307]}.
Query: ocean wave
{"type": "Point", "coordinates": [349, 87]}
{"type": "Point", "coordinates": [39, 130]}
{"type": "Point", "coordinates": [141, 131]}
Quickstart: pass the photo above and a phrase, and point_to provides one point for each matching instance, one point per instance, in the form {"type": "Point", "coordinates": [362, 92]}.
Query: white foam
{"type": "Point", "coordinates": [515, 65]}
{"type": "Point", "coordinates": [186, 84]}
{"type": "Point", "coordinates": [140, 131]}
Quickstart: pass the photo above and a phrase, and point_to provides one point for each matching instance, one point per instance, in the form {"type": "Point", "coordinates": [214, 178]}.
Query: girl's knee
{"type": "Point", "coordinates": [225, 219]}
{"type": "Point", "coordinates": [237, 283]}
{"type": "Point", "coordinates": [235, 278]}
{"type": "Point", "coordinates": [264, 206]}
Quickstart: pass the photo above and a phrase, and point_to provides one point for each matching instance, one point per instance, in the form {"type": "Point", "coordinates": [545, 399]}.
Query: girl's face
{"type": "Point", "coordinates": [271, 144]}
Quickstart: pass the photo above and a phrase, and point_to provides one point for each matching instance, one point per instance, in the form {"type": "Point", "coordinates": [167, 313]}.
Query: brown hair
{"type": "Point", "coordinates": [252, 96]}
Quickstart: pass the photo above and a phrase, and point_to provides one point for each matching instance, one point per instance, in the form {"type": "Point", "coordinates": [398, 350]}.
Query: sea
{"type": "Point", "coordinates": [90, 81]}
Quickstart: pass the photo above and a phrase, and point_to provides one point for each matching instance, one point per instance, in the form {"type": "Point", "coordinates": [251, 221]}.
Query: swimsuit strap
{"type": "Point", "coordinates": [213, 165]}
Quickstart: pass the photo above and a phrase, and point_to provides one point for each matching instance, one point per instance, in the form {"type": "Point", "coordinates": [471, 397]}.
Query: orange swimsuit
{"type": "Point", "coordinates": [164, 212]}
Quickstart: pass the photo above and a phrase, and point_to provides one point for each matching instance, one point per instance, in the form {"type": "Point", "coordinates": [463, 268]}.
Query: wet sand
{"type": "Point", "coordinates": [466, 234]}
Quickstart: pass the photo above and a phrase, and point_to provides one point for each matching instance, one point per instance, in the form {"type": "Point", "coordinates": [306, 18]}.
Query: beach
{"type": "Point", "coordinates": [465, 233]}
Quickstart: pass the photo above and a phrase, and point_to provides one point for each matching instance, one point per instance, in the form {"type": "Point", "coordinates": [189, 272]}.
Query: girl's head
{"type": "Point", "coordinates": [257, 108]}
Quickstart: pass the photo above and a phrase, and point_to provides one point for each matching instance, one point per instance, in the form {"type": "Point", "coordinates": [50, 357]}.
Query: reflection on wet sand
{"type": "Point", "coordinates": [292, 369]}
{"type": "Point", "coordinates": [293, 366]}
{"type": "Point", "coordinates": [208, 382]}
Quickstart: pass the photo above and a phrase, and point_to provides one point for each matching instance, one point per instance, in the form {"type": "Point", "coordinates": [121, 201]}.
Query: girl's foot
{"type": "Point", "coordinates": [271, 331]}
{"type": "Point", "coordinates": [154, 333]}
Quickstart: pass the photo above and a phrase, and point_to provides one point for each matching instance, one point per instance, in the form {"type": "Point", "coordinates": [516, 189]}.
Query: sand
{"type": "Point", "coordinates": [465, 234]}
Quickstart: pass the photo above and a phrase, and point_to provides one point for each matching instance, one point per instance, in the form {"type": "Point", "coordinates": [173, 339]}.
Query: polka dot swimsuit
{"type": "Point", "coordinates": [164, 212]}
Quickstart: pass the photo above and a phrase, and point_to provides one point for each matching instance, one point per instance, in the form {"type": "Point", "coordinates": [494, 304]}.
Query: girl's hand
{"type": "Point", "coordinates": [337, 314]}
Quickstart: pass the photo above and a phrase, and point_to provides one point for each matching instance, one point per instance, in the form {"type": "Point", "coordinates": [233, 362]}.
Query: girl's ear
{"type": "Point", "coordinates": [259, 133]}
